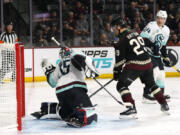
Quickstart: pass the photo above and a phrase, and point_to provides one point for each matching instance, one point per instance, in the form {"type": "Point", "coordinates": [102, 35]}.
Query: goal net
{"type": "Point", "coordinates": [12, 94]}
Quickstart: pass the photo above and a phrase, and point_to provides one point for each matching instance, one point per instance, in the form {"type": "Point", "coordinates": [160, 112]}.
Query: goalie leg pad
{"type": "Point", "coordinates": [49, 107]}
{"type": "Point", "coordinates": [49, 110]}
{"type": "Point", "coordinates": [82, 117]}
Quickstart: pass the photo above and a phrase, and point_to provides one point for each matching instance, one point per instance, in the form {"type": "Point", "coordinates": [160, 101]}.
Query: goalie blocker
{"type": "Point", "coordinates": [68, 77]}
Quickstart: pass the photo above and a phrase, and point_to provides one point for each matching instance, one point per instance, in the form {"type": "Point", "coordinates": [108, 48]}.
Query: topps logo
{"type": "Point", "coordinates": [94, 53]}
{"type": "Point", "coordinates": [100, 58]}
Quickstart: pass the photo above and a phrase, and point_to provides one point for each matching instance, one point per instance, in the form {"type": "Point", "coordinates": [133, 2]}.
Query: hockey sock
{"type": "Point", "coordinates": [162, 89]}
{"type": "Point", "coordinates": [158, 94]}
{"type": "Point", "coordinates": [126, 96]}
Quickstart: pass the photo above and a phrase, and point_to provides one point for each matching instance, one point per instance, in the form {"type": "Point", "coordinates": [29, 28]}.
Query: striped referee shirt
{"type": "Point", "coordinates": [10, 38]}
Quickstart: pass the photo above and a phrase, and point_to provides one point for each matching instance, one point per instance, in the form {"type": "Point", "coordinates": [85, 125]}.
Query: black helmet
{"type": "Point", "coordinates": [119, 21]}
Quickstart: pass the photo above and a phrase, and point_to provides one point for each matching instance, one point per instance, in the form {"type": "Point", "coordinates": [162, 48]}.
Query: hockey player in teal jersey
{"type": "Point", "coordinates": [156, 35]}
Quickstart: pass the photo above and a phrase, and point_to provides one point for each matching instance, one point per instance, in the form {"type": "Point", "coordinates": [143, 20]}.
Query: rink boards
{"type": "Point", "coordinates": [102, 56]}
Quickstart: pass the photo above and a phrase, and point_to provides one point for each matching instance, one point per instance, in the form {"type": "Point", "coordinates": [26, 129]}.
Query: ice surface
{"type": "Point", "coordinates": [151, 120]}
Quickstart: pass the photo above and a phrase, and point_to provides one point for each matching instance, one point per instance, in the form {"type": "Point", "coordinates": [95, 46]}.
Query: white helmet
{"type": "Point", "coordinates": [162, 14]}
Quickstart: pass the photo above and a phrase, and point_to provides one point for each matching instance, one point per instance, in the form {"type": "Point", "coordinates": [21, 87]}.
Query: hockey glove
{"type": "Point", "coordinates": [167, 62]}
{"type": "Point", "coordinates": [116, 74]}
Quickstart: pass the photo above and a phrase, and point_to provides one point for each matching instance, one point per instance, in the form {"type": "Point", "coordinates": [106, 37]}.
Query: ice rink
{"type": "Point", "coordinates": [151, 121]}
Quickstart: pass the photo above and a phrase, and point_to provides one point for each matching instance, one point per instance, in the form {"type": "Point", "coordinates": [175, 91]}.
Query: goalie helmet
{"type": "Point", "coordinates": [65, 52]}
{"type": "Point", "coordinates": [173, 56]}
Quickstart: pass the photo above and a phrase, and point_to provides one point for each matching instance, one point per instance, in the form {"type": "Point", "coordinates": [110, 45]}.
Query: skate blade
{"type": "Point", "coordinates": [128, 117]}
{"type": "Point", "coordinates": [166, 112]}
{"type": "Point", "coordinates": [146, 101]}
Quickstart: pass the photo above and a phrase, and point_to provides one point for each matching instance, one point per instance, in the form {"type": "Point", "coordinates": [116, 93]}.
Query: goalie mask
{"type": "Point", "coordinates": [65, 53]}
{"type": "Point", "coordinates": [173, 56]}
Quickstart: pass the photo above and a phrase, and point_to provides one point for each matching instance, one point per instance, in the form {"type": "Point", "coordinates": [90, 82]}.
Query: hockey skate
{"type": "Point", "coordinates": [129, 113]}
{"type": "Point", "coordinates": [148, 99]}
{"type": "Point", "coordinates": [165, 108]}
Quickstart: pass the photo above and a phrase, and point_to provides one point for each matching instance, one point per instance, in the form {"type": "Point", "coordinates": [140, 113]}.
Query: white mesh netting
{"type": "Point", "coordinates": [8, 102]}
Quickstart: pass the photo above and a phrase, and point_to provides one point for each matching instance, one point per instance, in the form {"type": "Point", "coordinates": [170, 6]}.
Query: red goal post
{"type": "Point", "coordinates": [20, 86]}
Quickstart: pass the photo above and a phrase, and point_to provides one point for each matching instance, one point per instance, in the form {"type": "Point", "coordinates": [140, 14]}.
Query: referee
{"type": "Point", "coordinates": [8, 56]}
{"type": "Point", "coordinates": [9, 36]}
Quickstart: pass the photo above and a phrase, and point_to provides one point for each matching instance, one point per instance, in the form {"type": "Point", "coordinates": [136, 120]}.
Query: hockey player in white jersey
{"type": "Point", "coordinates": [156, 35]}
{"type": "Point", "coordinates": [68, 77]}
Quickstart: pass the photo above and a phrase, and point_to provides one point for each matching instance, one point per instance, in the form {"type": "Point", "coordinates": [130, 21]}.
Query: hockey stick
{"type": "Point", "coordinates": [175, 68]}
{"type": "Point", "coordinates": [102, 86]}
{"type": "Point", "coordinates": [59, 44]}
{"type": "Point", "coordinates": [121, 103]}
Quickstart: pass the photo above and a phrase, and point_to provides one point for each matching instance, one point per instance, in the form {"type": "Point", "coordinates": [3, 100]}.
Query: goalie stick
{"type": "Point", "coordinates": [60, 45]}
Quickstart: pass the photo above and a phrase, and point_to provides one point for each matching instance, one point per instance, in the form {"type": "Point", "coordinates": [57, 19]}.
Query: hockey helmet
{"type": "Point", "coordinates": [65, 52]}
{"type": "Point", "coordinates": [119, 21]}
{"type": "Point", "coordinates": [173, 56]}
{"type": "Point", "coordinates": [162, 14]}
